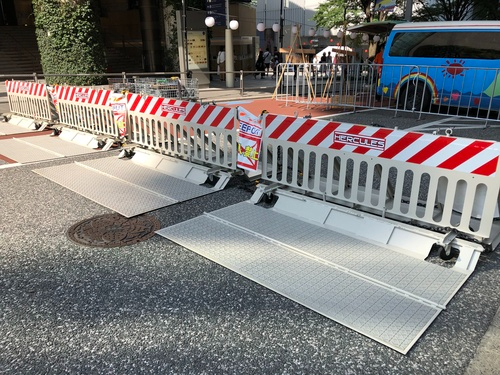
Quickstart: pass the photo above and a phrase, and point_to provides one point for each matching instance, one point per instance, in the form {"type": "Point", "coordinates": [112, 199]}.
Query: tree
{"type": "Point", "coordinates": [69, 40]}
{"type": "Point", "coordinates": [344, 13]}
{"type": "Point", "coordinates": [456, 10]}
{"type": "Point", "coordinates": [338, 13]}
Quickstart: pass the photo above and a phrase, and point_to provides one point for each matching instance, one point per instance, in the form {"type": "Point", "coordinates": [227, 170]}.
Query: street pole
{"type": "Point", "coordinates": [408, 10]}
{"type": "Point", "coordinates": [282, 21]}
{"type": "Point", "coordinates": [229, 51]}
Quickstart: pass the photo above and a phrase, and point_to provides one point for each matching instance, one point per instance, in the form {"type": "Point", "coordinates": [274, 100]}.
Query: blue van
{"type": "Point", "coordinates": [452, 63]}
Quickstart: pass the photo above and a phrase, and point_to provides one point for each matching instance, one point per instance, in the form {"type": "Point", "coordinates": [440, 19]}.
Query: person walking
{"type": "Point", "coordinates": [221, 64]}
{"type": "Point", "coordinates": [259, 65]}
{"type": "Point", "coordinates": [329, 62]}
{"type": "Point", "coordinates": [322, 64]}
{"type": "Point", "coordinates": [267, 59]}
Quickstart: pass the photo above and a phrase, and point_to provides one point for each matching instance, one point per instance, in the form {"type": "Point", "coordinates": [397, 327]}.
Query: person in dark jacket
{"type": "Point", "coordinates": [259, 65]}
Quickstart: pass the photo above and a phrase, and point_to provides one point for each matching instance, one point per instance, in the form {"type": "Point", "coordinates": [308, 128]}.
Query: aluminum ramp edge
{"type": "Point", "coordinates": [309, 282]}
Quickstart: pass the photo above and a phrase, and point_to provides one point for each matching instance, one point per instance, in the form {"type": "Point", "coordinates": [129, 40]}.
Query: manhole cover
{"type": "Point", "coordinates": [113, 230]}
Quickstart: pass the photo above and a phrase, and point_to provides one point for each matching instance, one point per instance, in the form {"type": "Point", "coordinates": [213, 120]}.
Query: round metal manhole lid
{"type": "Point", "coordinates": [113, 230]}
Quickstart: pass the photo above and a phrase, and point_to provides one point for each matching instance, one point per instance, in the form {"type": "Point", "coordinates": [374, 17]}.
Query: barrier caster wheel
{"type": "Point", "coordinates": [442, 253]}
{"type": "Point", "coordinates": [268, 198]}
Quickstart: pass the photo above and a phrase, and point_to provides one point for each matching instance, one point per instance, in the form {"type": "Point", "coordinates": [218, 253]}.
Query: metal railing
{"type": "Point", "coordinates": [173, 87]}
{"type": "Point", "coordinates": [447, 90]}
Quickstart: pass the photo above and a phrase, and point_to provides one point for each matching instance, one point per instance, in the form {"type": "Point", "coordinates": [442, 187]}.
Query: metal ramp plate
{"type": "Point", "coordinates": [6, 128]}
{"type": "Point", "coordinates": [25, 153]}
{"type": "Point", "coordinates": [147, 178]}
{"type": "Point", "coordinates": [39, 148]}
{"type": "Point", "coordinates": [385, 295]}
{"type": "Point", "coordinates": [56, 145]}
{"type": "Point", "coordinates": [122, 185]}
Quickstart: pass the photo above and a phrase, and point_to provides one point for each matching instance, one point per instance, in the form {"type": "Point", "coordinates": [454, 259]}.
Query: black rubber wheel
{"type": "Point", "coordinates": [416, 97]}
{"type": "Point", "coordinates": [268, 198]}
{"type": "Point", "coordinates": [442, 253]}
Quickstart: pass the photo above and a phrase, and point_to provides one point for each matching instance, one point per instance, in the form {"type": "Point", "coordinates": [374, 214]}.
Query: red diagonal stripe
{"type": "Point", "coordinates": [135, 103]}
{"type": "Point", "coordinates": [220, 117]}
{"type": "Point", "coordinates": [105, 97]}
{"type": "Point", "coordinates": [303, 129]}
{"type": "Point", "coordinates": [380, 133]}
{"type": "Point", "coordinates": [70, 91]}
{"type": "Point", "coordinates": [431, 149]}
{"type": "Point", "coordinates": [465, 154]}
{"type": "Point", "coordinates": [282, 127]}
{"type": "Point", "coordinates": [400, 145]}
{"type": "Point", "coordinates": [487, 169]}
{"type": "Point", "coordinates": [146, 104]}
{"type": "Point", "coordinates": [192, 112]}
{"type": "Point", "coordinates": [324, 133]}
{"type": "Point", "coordinates": [208, 110]}
{"type": "Point", "coordinates": [157, 105]}
{"type": "Point", "coordinates": [269, 119]}
{"type": "Point", "coordinates": [92, 96]}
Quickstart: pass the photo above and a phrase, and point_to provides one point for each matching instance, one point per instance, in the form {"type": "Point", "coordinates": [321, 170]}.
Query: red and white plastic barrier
{"type": "Point", "coordinates": [88, 110]}
{"type": "Point", "coordinates": [28, 99]}
{"type": "Point", "coordinates": [205, 133]}
{"type": "Point", "coordinates": [444, 181]}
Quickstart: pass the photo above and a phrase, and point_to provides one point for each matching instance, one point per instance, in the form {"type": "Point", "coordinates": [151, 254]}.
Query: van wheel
{"type": "Point", "coordinates": [416, 97]}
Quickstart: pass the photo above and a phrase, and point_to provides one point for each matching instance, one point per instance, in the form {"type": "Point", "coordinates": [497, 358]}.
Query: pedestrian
{"type": "Point", "coordinates": [221, 63]}
{"type": "Point", "coordinates": [259, 65]}
{"type": "Point", "coordinates": [329, 62]}
{"type": "Point", "coordinates": [274, 63]}
{"type": "Point", "coordinates": [379, 59]}
{"type": "Point", "coordinates": [267, 60]}
{"type": "Point", "coordinates": [322, 64]}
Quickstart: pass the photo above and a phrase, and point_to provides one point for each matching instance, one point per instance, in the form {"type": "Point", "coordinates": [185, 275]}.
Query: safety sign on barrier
{"type": "Point", "coordinates": [118, 103]}
{"type": "Point", "coordinates": [54, 96]}
{"type": "Point", "coordinates": [249, 140]}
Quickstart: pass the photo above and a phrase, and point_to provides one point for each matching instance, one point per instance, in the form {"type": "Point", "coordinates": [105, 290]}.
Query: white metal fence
{"type": "Point", "coordinates": [449, 90]}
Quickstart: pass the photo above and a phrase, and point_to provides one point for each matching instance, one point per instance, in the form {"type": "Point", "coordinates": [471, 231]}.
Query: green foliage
{"type": "Point", "coordinates": [69, 40]}
{"type": "Point", "coordinates": [456, 10]}
{"type": "Point", "coordinates": [336, 13]}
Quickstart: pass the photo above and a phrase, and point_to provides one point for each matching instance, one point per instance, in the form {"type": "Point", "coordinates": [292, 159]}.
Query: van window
{"type": "Point", "coordinates": [447, 44]}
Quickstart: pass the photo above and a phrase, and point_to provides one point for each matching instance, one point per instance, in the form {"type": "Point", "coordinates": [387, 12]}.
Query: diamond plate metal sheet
{"type": "Point", "coordinates": [127, 199]}
{"type": "Point", "coordinates": [59, 146]}
{"type": "Point", "coordinates": [380, 293]}
{"type": "Point", "coordinates": [6, 128]}
{"type": "Point", "coordinates": [25, 153]}
{"type": "Point", "coordinates": [147, 178]}
{"type": "Point", "coordinates": [421, 279]}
